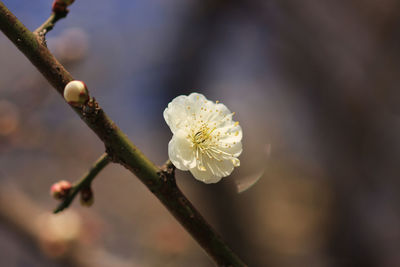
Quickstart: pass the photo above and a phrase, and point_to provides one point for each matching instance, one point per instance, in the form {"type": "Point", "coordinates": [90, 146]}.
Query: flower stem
{"type": "Point", "coordinates": [84, 182]}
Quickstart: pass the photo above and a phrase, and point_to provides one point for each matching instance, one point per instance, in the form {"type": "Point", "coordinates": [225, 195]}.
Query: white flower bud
{"type": "Point", "coordinates": [76, 93]}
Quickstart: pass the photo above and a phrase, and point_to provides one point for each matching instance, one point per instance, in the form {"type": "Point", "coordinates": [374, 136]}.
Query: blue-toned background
{"type": "Point", "coordinates": [313, 84]}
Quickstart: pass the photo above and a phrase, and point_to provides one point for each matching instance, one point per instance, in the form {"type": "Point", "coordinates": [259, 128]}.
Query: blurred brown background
{"type": "Point", "coordinates": [314, 85]}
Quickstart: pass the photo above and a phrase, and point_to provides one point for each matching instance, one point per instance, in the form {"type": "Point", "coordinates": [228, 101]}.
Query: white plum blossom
{"type": "Point", "coordinates": [206, 141]}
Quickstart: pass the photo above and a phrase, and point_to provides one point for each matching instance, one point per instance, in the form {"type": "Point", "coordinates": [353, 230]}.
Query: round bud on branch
{"type": "Point", "coordinates": [76, 93]}
{"type": "Point", "coordinates": [87, 198]}
{"type": "Point", "coordinates": [60, 6]}
{"type": "Point", "coordinates": [60, 189]}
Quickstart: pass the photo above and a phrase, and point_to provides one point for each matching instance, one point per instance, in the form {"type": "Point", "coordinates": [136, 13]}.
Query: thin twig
{"type": "Point", "coordinates": [118, 146]}
{"type": "Point", "coordinates": [59, 11]}
{"type": "Point", "coordinates": [48, 25]}
{"type": "Point", "coordinates": [84, 182]}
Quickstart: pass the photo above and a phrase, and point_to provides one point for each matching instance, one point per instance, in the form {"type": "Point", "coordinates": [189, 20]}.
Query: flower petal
{"type": "Point", "coordinates": [214, 170]}
{"type": "Point", "coordinates": [220, 168]}
{"type": "Point", "coordinates": [205, 176]}
{"type": "Point", "coordinates": [232, 133]}
{"type": "Point", "coordinates": [180, 151]}
{"type": "Point", "coordinates": [175, 114]}
{"type": "Point", "coordinates": [196, 97]}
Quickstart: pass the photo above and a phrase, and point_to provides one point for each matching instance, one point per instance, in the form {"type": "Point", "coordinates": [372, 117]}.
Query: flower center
{"type": "Point", "coordinates": [202, 135]}
{"type": "Point", "coordinates": [202, 141]}
{"type": "Point", "coordinates": [206, 141]}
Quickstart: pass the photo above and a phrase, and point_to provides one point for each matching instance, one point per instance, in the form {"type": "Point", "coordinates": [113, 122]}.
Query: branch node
{"type": "Point", "coordinates": [167, 173]}
{"type": "Point", "coordinates": [110, 152]}
{"type": "Point", "coordinates": [90, 110]}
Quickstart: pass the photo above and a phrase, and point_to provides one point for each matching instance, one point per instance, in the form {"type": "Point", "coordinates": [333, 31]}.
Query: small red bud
{"type": "Point", "coordinates": [68, 2]}
{"type": "Point", "coordinates": [60, 6]}
{"type": "Point", "coordinates": [60, 189]}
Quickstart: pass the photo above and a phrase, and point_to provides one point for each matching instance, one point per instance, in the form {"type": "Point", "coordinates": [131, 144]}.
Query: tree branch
{"type": "Point", "coordinates": [118, 146]}
{"type": "Point", "coordinates": [59, 11]}
{"type": "Point", "coordinates": [85, 181]}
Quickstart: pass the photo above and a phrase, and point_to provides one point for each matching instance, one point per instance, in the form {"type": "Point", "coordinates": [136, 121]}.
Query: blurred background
{"type": "Point", "coordinates": [314, 85]}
